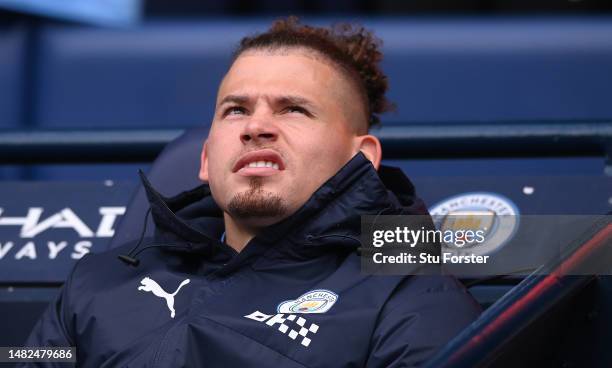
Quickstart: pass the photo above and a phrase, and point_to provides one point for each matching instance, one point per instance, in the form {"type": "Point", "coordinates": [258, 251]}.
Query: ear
{"type": "Point", "coordinates": [203, 175]}
{"type": "Point", "coordinates": [370, 146]}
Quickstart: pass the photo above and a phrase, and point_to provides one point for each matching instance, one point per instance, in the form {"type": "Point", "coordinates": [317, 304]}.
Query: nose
{"type": "Point", "coordinates": [259, 130]}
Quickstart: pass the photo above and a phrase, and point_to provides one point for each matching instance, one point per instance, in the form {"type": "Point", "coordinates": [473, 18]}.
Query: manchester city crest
{"type": "Point", "coordinates": [314, 301]}
{"type": "Point", "coordinates": [493, 216]}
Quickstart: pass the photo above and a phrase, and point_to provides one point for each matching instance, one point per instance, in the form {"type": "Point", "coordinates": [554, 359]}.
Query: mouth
{"type": "Point", "coordinates": [263, 162]}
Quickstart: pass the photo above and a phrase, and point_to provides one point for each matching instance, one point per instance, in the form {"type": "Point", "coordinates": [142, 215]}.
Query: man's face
{"type": "Point", "coordinates": [285, 122]}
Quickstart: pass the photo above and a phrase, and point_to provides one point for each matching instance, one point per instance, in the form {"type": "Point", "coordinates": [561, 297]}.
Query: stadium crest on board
{"type": "Point", "coordinates": [495, 214]}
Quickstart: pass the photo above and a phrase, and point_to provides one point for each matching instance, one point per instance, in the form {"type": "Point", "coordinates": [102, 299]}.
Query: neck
{"type": "Point", "coordinates": [237, 235]}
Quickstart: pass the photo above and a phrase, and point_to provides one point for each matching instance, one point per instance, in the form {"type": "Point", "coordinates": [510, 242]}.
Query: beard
{"type": "Point", "coordinates": [256, 203]}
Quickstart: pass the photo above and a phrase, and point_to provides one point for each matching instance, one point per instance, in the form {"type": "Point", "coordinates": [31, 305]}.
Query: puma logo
{"type": "Point", "coordinates": [148, 284]}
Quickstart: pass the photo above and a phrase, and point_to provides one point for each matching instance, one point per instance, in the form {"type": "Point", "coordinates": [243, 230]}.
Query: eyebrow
{"type": "Point", "coordinates": [237, 99]}
{"type": "Point", "coordinates": [293, 100]}
{"type": "Point", "coordinates": [281, 100]}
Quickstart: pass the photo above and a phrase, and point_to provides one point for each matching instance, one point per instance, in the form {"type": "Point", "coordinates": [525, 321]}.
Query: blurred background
{"type": "Point", "coordinates": [123, 64]}
{"type": "Point", "coordinates": [539, 70]}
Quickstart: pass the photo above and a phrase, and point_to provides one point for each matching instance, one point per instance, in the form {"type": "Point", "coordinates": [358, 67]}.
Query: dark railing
{"type": "Point", "coordinates": [439, 140]}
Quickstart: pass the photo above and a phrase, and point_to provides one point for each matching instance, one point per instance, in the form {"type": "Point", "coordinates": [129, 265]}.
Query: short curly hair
{"type": "Point", "coordinates": [351, 47]}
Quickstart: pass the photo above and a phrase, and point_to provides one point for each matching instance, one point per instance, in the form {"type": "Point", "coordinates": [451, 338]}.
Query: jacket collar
{"type": "Point", "coordinates": [332, 215]}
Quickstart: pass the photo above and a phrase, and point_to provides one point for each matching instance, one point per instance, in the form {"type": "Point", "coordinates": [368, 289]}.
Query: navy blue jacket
{"type": "Point", "coordinates": [294, 297]}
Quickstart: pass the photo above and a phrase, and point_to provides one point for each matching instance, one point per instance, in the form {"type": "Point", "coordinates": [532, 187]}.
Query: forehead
{"type": "Point", "coordinates": [293, 71]}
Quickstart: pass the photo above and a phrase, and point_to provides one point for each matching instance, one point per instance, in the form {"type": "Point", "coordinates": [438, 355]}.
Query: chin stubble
{"type": "Point", "coordinates": [255, 202]}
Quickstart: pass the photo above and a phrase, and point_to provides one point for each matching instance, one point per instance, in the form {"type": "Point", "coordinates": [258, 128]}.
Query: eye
{"type": "Point", "coordinates": [298, 109]}
{"type": "Point", "coordinates": [234, 110]}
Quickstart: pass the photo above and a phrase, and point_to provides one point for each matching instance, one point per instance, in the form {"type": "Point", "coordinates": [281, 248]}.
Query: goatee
{"type": "Point", "coordinates": [255, 202]}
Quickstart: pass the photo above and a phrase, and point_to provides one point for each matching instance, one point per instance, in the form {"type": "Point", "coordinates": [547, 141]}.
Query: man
{"type": "Point", "coordinates": [260, 267]}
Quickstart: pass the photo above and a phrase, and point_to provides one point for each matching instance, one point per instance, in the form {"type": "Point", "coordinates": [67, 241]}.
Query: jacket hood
{"type": "Point", "coordinates": [331, 217]}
